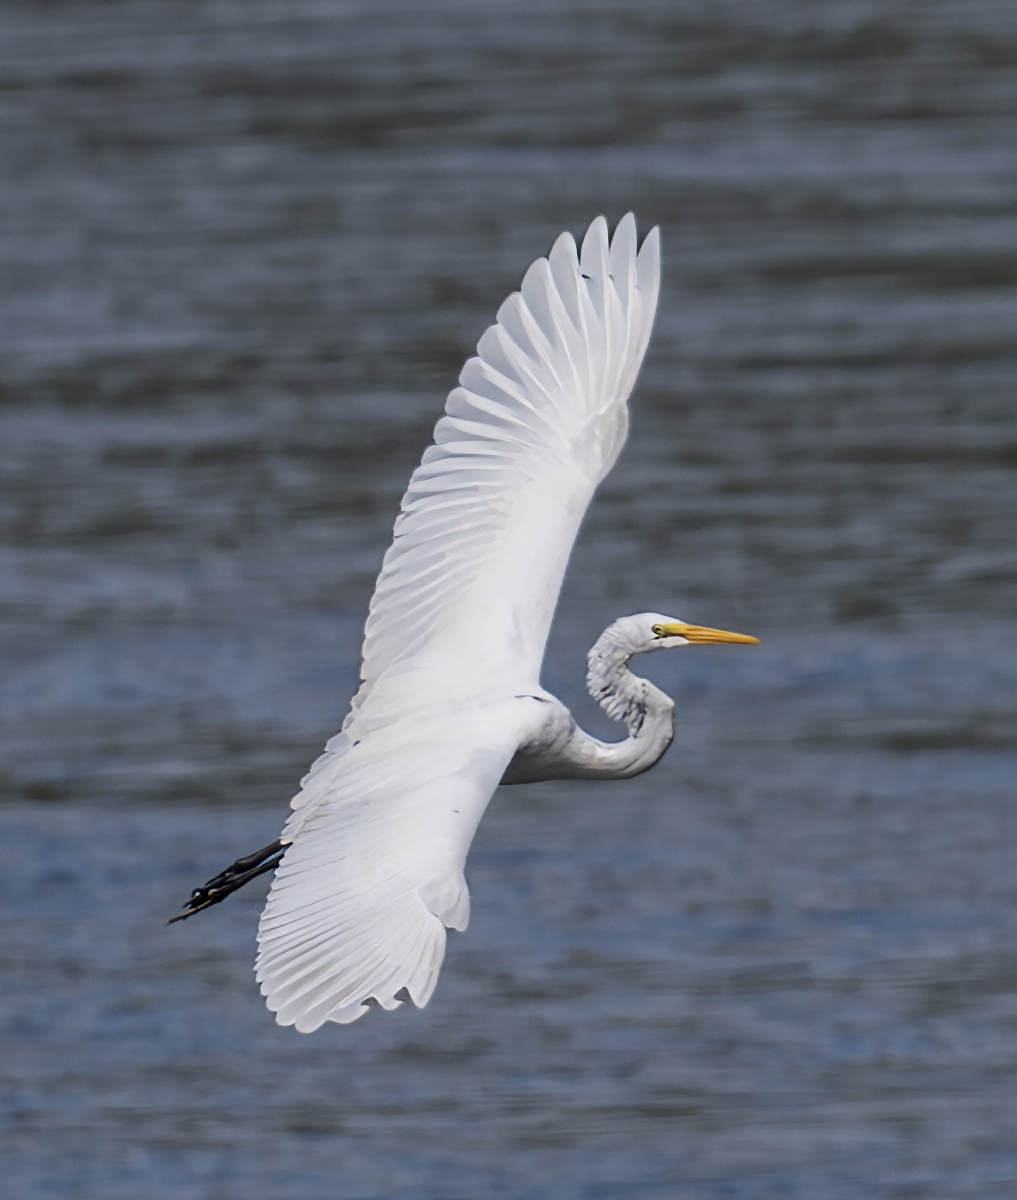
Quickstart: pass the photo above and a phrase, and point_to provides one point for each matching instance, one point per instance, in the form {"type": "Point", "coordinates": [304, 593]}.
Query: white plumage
{"type": "Point", "coordinates": [455, 637]}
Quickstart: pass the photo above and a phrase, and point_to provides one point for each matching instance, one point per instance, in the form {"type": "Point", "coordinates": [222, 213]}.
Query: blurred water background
{"type": "Point", "coordinates": [245, 246]}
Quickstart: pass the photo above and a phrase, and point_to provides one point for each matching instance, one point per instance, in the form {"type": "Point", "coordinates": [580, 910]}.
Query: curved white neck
{"type": "Point", "coordinates": [559, 749]}
{"type": "Point", "coordinates": [622, 695]}
{"type": "Point", "coordinates": [647, 712]}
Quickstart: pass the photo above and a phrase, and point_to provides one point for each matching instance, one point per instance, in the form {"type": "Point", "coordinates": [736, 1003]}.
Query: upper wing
{"type": "Point", "coordinates": [468, 588]}
{"type": "Point", "coordinates": [457, 627]}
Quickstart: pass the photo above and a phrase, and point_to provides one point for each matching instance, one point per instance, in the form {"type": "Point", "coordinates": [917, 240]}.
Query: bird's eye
{"type": "Point", "coordinates": [657, 630]}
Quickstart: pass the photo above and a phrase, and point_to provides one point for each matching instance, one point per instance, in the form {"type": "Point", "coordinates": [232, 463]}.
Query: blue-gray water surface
{"type": "Point", "coordinates": [245, 246]}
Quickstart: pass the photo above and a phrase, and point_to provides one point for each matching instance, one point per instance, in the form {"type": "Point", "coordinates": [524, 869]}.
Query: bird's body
{"type": "Point", "coordinates": [371, 872]}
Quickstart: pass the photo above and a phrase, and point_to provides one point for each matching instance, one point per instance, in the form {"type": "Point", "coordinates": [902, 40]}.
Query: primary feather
{"type": "Point", "coordinates": [456, 633]}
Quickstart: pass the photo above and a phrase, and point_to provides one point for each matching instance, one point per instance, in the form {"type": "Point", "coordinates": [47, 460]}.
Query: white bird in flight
{"type": "Point", "coordinates": [370, 863]}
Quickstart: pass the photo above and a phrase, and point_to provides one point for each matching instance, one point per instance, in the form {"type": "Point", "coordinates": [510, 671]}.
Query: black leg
{"type": "Point", "coordinates": [235, 876]}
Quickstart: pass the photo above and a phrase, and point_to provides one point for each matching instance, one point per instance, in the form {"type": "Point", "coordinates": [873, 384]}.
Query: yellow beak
{"type": "Point", "coordinates": [701, 635]}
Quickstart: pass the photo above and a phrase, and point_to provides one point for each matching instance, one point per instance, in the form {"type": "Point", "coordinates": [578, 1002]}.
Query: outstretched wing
{"type": "Point", "coordinates": [359, 906]}
{"type": "Point", "coordinates": [458, 624]}
{"type": "Point", "coordinates": [490, 515]}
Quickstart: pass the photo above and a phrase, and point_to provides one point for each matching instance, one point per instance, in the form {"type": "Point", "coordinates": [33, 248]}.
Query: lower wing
{"type": "Point", "coordinates": [359, 905]}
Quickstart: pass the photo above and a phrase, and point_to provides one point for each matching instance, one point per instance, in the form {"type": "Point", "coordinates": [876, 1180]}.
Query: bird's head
{"type": "Point", "coordinates": [653, 631]}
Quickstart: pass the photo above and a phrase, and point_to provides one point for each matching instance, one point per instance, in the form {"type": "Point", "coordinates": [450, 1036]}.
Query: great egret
{"type": "Point", "coordinates": [370, 862]}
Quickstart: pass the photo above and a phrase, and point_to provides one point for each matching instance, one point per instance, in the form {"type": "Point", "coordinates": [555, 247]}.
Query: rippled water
{"type": "Point", "coordinates": [244, 249]}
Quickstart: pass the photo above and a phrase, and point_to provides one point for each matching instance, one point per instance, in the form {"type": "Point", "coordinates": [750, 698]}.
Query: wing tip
{"type": "Point", "coordinates": [394, 957]}
{"type": "Point", "coordinates": [651, 243]}
{"type": "Point", "coordinates": [648, 266]}
{"type": "Point", "coordinates": [597, 242]}
{"type": "Point", "coordinates": [564, 245]}
{"type": "Point", "coordinates": [595, 248]}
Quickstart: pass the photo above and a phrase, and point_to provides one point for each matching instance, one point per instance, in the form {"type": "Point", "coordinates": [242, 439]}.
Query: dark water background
{"type": "Point", "coordinates": [244, 249]}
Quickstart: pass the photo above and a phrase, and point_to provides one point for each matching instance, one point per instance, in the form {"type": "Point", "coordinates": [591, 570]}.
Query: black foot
{"type": "Point", "coordinates": [235, 876]}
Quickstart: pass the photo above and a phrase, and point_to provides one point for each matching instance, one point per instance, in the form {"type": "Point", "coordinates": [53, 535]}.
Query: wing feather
{"type": "Point", "coordinates": [456, 629]}
{"type": "Point", "coordinates": [548, 387]}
